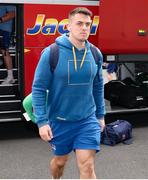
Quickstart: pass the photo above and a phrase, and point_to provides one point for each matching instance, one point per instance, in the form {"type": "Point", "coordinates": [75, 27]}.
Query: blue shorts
{"type": "Point", "coordinates": [69, 136]}
{"type": "Point", "coordinates": [5, 41]}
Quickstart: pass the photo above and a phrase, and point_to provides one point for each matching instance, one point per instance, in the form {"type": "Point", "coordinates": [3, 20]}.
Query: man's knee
{"type": "Point", "coordinates": [86, 167]}
{"type": "Point", "coordinates": [58, 161]}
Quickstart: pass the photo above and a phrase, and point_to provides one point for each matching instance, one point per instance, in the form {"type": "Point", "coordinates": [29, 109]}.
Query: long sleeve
{"type": "Point", "coordinates": [98, 90]}
{"type": "Point", "coordinates": [41, 84]}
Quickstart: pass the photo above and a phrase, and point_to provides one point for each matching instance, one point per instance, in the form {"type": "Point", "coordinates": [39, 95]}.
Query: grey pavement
{"type": "Point", "coordinates": [23, 155]}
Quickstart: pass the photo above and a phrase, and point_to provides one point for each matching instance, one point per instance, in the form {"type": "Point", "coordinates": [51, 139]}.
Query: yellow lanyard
{"type": "Point", "coordinates": [75, 60]}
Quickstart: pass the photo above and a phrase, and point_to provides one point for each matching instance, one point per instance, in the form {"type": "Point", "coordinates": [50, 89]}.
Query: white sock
{"type": "Point", "coordinates": [10, 74]}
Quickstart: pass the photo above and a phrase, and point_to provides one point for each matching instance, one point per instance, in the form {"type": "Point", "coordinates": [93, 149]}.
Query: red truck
{"type": "Point", "coordinates": [123, 40]}
{"type": "Point", "coordinates": [123, 27]}
{"type": "Point", "coordinates": [36, 26]}
{"type": "Point", "coordinates": [119, 29]}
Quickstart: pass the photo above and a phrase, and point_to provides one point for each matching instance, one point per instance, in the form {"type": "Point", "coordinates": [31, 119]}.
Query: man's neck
{"type": "Point", "coordinates": [77, 44]}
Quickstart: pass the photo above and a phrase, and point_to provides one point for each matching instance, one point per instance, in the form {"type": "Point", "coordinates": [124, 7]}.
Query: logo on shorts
{"type": "Point", "coordinates": [60, 118]}
{"type": "Point", "coordinates": [53, 147]}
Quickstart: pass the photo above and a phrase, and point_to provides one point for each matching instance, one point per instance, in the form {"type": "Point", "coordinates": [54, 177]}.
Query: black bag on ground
{"type": "Point", "coordinates": [126, 95]}
{"type": "Point", "coordinates": [142, 80]}
{"type": "Point", "coordinates": [116, 132]}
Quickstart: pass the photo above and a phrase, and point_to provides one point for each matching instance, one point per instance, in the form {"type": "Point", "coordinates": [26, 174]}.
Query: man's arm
{"type": "Point", "coordinates": [102, 124]}
{"type": "Point", "coordinates": [98, 92]}
{"type": "Point", "coordinates": [45, 133]}
{"type": "Point", "coordinates": [41, 84]}
{"type": "Point", "coordinates": [7, 17]}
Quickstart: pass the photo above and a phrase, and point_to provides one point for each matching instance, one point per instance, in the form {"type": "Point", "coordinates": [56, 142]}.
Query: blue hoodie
{"type": "Point", "coordinates": [73, 93]}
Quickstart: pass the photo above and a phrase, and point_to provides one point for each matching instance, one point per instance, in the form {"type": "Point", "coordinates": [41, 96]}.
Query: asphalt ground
{"type": "Point", "coordinates": [23, 155]}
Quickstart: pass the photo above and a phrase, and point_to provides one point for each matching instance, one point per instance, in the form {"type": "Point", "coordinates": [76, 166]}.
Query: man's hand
{"type": "Point", "coordinates": [102, 124]}
{"type": "Point", "coordinates": [45, 133]}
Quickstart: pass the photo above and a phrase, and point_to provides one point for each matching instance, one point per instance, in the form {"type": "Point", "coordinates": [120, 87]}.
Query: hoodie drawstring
{"type": "Point", "coordinates": [75, 60]}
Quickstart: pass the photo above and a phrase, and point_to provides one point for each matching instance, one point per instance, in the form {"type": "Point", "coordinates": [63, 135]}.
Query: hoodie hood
{"type": "Point", "coordinates": [65, 42]}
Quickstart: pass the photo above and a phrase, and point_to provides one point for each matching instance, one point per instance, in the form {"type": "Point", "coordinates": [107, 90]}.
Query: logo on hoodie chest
{"type": "Point", "coordinates": [81, 76]}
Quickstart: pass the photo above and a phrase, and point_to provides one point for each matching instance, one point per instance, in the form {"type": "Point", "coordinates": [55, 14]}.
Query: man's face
{"type": "Point", "coordinates": [79, 27]}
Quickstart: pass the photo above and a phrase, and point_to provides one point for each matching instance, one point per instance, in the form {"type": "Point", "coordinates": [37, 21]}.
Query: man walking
{"type": "Point", "coordinates": [71, 118]}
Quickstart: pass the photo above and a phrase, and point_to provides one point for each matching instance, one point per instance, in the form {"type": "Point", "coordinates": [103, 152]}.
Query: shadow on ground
{"type": "Point", "coordinates": [16, 130]}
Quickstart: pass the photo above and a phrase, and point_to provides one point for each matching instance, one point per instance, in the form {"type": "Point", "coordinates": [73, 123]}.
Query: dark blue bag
{"type": "Point", "coordinates": [116, 132]}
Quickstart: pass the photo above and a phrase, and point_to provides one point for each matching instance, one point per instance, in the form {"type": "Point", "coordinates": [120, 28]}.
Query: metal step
{"type": "Point", "coordinates": [8, 97]}
{"type": "Point", "coordinates": [3, 73]}
{"type": "Point", "coordinates": [16, 81]}
{"type": "Point", "coordinates": [11, 89]}
{"type": "Point", "coordinates": [12, 53]}
{"type": "Point", "coordinates": [10, 117]}
{"type": "Point", "coordinates": [10, 105]}
{"type": "Point", "coordinates": [9, 112]}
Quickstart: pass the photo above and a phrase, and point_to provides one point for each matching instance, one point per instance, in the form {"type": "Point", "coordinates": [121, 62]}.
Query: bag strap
{"type": "Point", "coordinates": [54, 56]}
{"type": "Point", "coordinates": [94, 53]}
{"type": "Point", "coordinates": [105, 133]}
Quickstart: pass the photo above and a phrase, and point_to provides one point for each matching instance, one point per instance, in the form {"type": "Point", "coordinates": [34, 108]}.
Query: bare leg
{"type": "Point", "coordinates": [85, 161]}
{"type": "Point", "coordinates": [7, 60]}
{"type": "Point", "coordinates": [57, 165]}
{"type": "Point", "coordinates": [9, 67]}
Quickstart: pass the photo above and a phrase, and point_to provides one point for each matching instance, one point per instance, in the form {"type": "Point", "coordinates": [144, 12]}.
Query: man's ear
{"type": "Point", "coordinates": [68, 27]}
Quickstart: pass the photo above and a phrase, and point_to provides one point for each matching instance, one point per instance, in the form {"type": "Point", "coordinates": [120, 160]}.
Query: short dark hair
{"type": "Point", "coordinates": [80, 10]}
